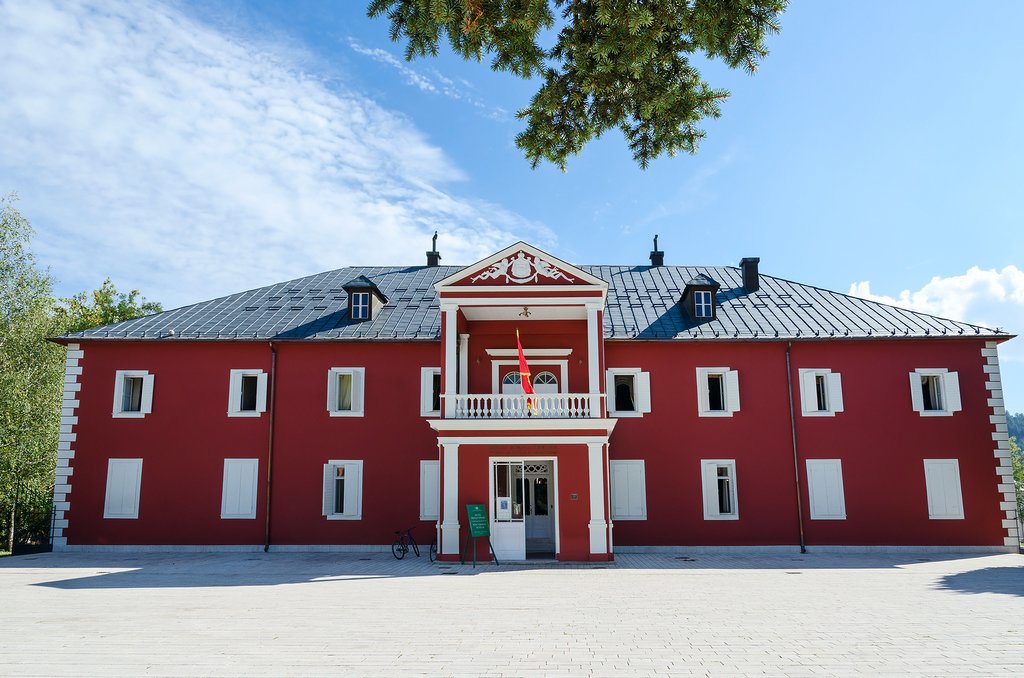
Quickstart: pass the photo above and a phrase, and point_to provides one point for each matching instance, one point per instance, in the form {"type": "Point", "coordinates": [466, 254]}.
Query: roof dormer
{"type": "Point", "coordinates": [699, 298]}
{"type": "Point", "coordinates": [364, 298]}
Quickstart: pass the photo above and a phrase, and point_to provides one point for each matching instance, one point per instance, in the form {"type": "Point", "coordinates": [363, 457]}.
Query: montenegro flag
{"type": "Point", "coordinates": [524, 372]}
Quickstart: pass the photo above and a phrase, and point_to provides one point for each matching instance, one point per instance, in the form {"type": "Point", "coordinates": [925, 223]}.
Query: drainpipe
{"type": "Point", "coordinates": [796, 456]}
{"type": "Point", "coordinates": [270, 442]}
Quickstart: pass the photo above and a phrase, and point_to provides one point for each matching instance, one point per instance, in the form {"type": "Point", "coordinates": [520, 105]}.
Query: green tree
{"type": "Point", "coordinates": [1017, 459]}
{"type": "Point", "coordinates": [31, 370]}
{"type": "Point", "coordinates": [102, 307]}
{"type": "Point", "coordinates": [614, 63]}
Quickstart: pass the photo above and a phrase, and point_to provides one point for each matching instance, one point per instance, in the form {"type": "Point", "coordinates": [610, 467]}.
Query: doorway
{"type": "Point", "coordinates": [523, 520]}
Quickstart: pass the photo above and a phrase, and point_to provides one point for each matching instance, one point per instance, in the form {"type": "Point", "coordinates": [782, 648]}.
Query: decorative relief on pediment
{"type": "Point", "coordinates": [521, 269]}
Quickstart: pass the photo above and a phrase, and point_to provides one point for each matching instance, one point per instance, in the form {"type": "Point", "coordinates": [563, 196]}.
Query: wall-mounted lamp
{"type": "Point", "coordinates": [525, 313]}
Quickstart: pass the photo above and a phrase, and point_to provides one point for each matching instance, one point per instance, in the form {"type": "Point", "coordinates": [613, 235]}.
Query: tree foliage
{"type": "Point", "coordinates": [1017, 459]}
{"type": "Point", "coordinates": [103, 306]}
{"type": "Point", "coordinates": [614, 63]}
{"type": "Point", "coordinates": [32, 371]}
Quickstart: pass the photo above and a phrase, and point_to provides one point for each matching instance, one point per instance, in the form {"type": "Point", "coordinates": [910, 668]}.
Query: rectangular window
{"type": "Point", "coordinates": [718, 478]}
{"type": "Point", "coordinates": [935, 392]}
{"type": "Point", "coordinates": [343, 490]}
{"type": "Point", "coordinates": [702, 304]}
{"type": "Point", "coordinates": [430, 391]}
{"type": "Point", "coordinates": [821, 392]}
{"type": "Point", "coordinates": [430, 490]}
{"type": "Point", "coordinates": [360, 305]}
{"type": "Point", "coordinates": [942, 483]}
{"type": "Point", "coordinates": [825, 489]}
{"type": "Point", "coordinates": [345, 391]}
{"type": "Point", "coordinates": [629, 391]}
{"type": "Point", "coordinates": [124, 482]}
{"type": "Point", "coordinates": [718, 391]}
{"type": "Point", "coordinates": [238, 495]}
{"type": "Point", "coordinates": [247, 393]}
{"type": "Point", "coordinates": [628, 489]}
{"type": "Point", "coordinates": [133, 394]}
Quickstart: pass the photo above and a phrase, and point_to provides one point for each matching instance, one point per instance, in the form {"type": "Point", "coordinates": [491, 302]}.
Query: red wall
{"type": "Point", "coordinates": [879, 438]}
{"type": "Point", "coordinates": [533, 334]}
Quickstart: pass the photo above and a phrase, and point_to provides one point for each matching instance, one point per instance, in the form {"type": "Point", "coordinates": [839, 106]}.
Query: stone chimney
{"type": "Point", "coordinates": [657, 256]}
{"type": "Point", "coordinates": [433, 256]}
{"type": "Point", "coordinates": [751, 280]}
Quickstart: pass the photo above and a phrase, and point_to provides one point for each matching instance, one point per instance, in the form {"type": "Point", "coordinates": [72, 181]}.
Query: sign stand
{"type": "Point", "coordinates": [479, 526]}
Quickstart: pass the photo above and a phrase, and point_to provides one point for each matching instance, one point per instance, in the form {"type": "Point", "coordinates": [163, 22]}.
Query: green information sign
{"type": "Point", "coordinates": [479, 525]}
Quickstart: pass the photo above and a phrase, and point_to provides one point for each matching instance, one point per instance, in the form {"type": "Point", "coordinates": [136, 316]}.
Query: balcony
{"type": "Point", "coordinates": [542, 406]}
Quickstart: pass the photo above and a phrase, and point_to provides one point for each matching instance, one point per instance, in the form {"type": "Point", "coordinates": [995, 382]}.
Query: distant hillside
{"type": "Point", "coordinates": [1015, 424]}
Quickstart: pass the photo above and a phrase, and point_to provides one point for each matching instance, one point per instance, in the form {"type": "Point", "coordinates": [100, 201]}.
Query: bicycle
{"type": "Point", "coordinates": [403, 543]}
{"type": "Point", "coordinates": [432, 553]}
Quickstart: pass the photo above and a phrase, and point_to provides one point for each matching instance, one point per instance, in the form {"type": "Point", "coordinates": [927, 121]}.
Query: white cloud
{"type": "Point", "coordinates": [988, 297]}
{"type": "Point", "coordinates": [152, 148]}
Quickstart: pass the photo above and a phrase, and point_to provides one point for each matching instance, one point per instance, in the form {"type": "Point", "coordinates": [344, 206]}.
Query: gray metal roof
{"type": "Point", "coordinates": [643, 303]}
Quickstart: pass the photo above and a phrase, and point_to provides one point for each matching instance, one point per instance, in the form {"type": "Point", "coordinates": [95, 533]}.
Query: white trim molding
{"type": "Point", "coordinates": [66, 445]}
{"type": "Point", "coordinates": [1004, 468]}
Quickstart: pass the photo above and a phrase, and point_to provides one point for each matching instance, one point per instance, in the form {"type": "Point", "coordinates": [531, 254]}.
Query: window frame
{"type": "Point", "coordinates": [432, 466]}
{"type": "Point", "coordinates": [641, 391]}
{"type": "Point", "coordinates": [427, 392]}
{"type": "Point", "coordinates": [254, 464]}
{"type": "Point", "coordinates": [703, 300]}
{"type": "Point", "coordinates": [625, 465]}
{"type": "Point", "coordinates": [133, 514]}
{"type": "Point", "coordinates": [730, 388]}
{"type": "Point", "coordinates": [235, 392]}
{"type": "Point", "coordinates": [836, 464]}
{"type": "Point", "coordinates": [931, 491]}
{"type": "Point", "coordinates": [711, 511]}
{"type": "Point", "coordinates": [807, 377]}
{"type": "Point", "coordinates": [329, 477]}
{"type": "Point", "coordinates": [146, 398]}
{"type": "Point", "coordinates": [358, 375]}
{"type": "Point", "coordinates": [949, 391]}
{"type": "Point", "coordinates": [357, 307]}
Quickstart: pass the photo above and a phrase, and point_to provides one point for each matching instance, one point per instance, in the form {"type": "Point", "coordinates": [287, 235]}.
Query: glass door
{"type": "Point", "coordinates": [508, 496]}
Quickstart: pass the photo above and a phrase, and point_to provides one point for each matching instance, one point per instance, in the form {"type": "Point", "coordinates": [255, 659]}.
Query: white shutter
{"type": "Point", "coordinates": [629, 494]}
{"type": "Point", "coordinates": [332, 390]}
{"type": "Point", "coordinates": [808, 397]}
{"type": "Point", "coordinates": [430, 490]}
{"type": "Point", "coordinates": [619, 489]}
{"type": "Point", "coordinates": [942, 483]}
{"type": "Point", "coordinates": [353, 489]}
{"type": "Point", "coordinates": [358, 387]}
{"type": "Point", "coordinates": [637, 502]}
{"type": "Point", "coordinates": [118, 392]}
{"type": "Point", "coordinates": [328, 489]}
{"type": "Point", "coordinates": [124, 481]}
{"type": "Point", "coordinates": [709, 478]}
{"type": "Point", "coordinates": [732, 391]}
{"type": "Point", "coordinates": [642, 387]}
{"type": "Point", "coordinates": [609, 387]}
{"type": "Point", "coordinates": [261, 392]}
{"type": "Point", "coordinates": [825, 488]}
{"type": "Point", "coordinates": [835, 391]}
{"type": "Point", "coordinates": [238, 498]}
{"type": "Point", "coordinates": [235, 391]}
{"type": "Point", "coordinates": [916, 397]}
{"type": "Point", "coordinates": [702, 390]}
{"type": "Point", "coordinates": [146, 406]}
{"type": "Point", "coordinates": [951, 384]}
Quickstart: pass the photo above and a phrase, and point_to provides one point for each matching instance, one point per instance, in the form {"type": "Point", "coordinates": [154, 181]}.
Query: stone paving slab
{"type": "Point", "coordinates": [299, 614]}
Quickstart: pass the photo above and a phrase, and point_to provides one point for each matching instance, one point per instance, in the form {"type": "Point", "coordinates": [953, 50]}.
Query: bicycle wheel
{"type": "Point", "coordinates": [433, 551]}
{"type": "Point", "coordinates": [398, 550]}
{"type": "Point", "coordinates": [413, 544]}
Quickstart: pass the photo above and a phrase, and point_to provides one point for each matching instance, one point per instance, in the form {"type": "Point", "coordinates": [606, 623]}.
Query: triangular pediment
{"type": "Point", "coordinates": [521, 266]}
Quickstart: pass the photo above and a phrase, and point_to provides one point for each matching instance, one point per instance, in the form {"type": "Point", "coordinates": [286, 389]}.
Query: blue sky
{"type": "Point", "coordinates": [192, 151]}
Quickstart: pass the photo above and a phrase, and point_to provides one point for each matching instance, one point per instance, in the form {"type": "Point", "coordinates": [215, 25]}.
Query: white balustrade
{"type": "Point", "coordinates": [542, 405]}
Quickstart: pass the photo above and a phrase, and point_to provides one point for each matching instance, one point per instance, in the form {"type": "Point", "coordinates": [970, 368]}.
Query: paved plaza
{"type": "Point", "coordinates": [135, 614]}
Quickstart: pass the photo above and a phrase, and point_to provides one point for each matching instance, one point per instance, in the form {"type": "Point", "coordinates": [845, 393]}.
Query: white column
{"type": "Point", "coordinates": [598, 525]}
{"type": "Point", "coordinates": [450, 517]}
{"type": "Point", "coordinates": [593, 361]}
{"type": "Point", "coordinates": [450, 367]}
{"type": "Point", "coordinates": [463, 363]}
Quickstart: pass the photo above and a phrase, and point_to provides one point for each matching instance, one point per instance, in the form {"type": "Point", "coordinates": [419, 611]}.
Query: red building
{"type": "Point", "coordinates": [674, 407]}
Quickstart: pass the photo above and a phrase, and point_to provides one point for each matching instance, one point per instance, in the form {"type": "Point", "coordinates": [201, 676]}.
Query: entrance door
{"type": "Point", "coordinates": [539, 509]}
{"type": "Point", "coordinates": [508, 529]}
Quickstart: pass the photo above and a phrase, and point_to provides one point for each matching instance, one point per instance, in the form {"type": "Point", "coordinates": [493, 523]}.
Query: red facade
{"type": "Point", "coordinates": [562, 458]}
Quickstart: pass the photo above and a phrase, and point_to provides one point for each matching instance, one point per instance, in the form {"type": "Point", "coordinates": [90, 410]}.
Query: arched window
{"type": "Point", "coordinates": [545, 382]}
{"type": "Point", "coordinates": [512, 383]}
